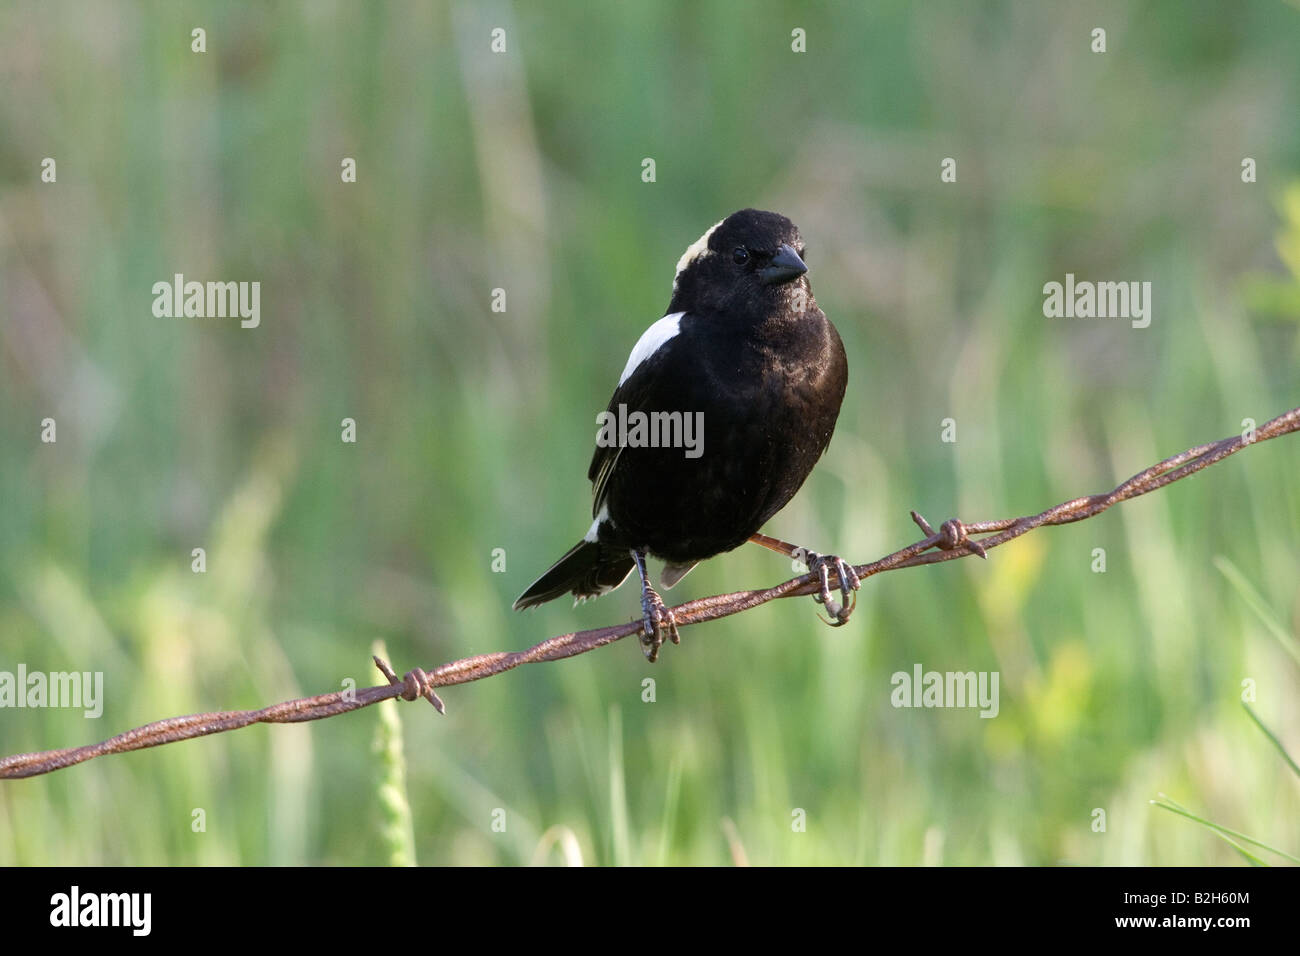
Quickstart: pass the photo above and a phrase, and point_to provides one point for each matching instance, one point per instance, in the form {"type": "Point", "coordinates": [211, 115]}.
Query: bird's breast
{"type": "Point", "coordinates": [765, 403]}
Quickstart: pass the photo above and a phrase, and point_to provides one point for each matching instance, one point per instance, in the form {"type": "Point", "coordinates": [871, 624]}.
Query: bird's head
{"type": "Point", "coordinates": [751, 255]}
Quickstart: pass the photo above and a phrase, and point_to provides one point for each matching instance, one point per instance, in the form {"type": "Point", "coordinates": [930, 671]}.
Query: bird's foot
{"type": "Point", "coordinates": [657, 624]}
{"type": "Point", "coordinates": [820, 565]}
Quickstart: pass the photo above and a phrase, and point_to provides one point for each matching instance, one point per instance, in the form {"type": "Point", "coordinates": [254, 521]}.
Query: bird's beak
{"type": "Point", "coordinates": [785, 265]}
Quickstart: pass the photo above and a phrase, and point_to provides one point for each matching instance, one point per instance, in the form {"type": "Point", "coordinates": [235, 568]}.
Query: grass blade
{"type": "Point", "coordinates": [1227, 834]}
{"type": "Point", "coordinates": [1255, 601]}
{"type": "Point", "coordinates": [1270, 735]}
{"type": "Point", "coordinates": [396, 828]}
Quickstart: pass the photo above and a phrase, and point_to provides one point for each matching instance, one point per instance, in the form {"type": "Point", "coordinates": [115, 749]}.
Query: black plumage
{"type": "Point", "coordinates": [745, 352]}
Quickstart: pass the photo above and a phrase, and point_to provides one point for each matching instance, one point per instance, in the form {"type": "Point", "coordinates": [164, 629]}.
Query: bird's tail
{"type": "Point", "coordinates": [588, 570]}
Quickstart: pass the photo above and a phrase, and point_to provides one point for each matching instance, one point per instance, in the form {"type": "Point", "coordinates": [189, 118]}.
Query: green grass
{"type": "Point", "coordinates": [1272, 738]}
{"type": "Point", "coordinates": [474, 427]}
{"type": "Point", "coordinates": [1232, 837]}
{"type": "Point", "coordinates": [397, 830]}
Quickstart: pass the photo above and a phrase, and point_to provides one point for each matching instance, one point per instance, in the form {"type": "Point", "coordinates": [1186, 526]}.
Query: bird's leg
{"type": "Point", "coordinates": [820, 565]}
{"type": "Point", "coordinates": [657, 622]}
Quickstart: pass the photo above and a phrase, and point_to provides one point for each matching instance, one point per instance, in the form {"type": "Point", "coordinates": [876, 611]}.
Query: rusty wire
{"type": "Point", "coordinates": [951, 541]}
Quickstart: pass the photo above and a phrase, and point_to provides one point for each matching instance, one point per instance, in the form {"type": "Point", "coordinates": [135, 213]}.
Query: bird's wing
{"type": "Point", "coordinates": [633, 391]}
{"type": "Point", "coordinates": [602, 466]}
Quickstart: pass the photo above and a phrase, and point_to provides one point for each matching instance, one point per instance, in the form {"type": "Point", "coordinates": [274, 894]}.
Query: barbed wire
{"type": "Point", "coordinates": [953, 540]}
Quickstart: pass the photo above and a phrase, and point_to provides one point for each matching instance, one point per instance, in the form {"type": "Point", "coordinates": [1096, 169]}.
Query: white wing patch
{"type": "Point", "coordinates": [601, 518]}
{"type": "Point", "coordinates": [696, 249]}
{"type": "Point", "coordinates": [651, 341]}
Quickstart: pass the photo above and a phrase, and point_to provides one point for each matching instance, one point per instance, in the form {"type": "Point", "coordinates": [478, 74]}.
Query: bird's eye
{"type": "Point", "coordinates": [740, 255]}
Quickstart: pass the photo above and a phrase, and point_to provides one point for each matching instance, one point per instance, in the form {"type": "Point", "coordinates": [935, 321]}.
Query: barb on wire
{"type": "Point", "coordinates": [952, 540]}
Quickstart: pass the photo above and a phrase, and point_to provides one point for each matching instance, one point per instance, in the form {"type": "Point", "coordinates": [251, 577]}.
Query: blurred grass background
{"type": "Point", "coordinates": [522, 171]}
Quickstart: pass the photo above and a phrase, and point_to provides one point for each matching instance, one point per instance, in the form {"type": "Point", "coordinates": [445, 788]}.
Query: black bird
{"type": "Point", "coordinates": [737, 388]}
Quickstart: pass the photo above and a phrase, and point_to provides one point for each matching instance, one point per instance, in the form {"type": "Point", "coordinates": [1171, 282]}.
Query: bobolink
{"type": "Point", "coordinates": [723, 408]}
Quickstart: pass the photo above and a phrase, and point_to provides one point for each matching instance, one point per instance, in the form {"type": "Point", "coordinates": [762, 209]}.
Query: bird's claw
{"type": "Point", "coordinates": [657, 624]}
{"type": "Point", "coordinates": [848, 580]}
